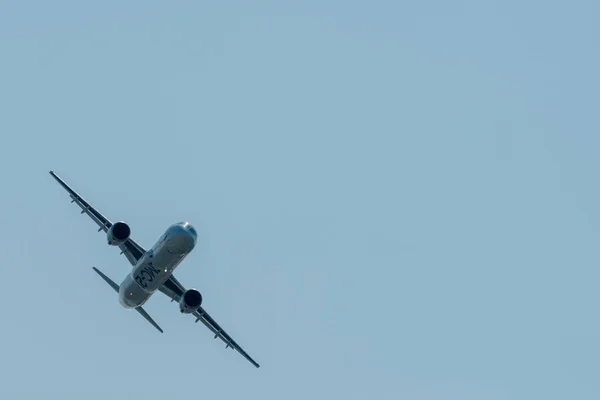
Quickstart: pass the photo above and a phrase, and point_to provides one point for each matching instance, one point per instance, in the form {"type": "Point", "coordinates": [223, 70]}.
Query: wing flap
{"type": "Point", "coordinates": [98, 218]}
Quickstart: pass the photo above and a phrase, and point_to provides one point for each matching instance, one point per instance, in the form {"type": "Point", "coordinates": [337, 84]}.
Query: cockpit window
{"type": "Point", "coordinates": [193, 230]}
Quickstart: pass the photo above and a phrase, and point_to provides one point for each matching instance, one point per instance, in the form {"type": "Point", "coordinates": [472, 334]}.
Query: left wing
{"type": "Point", "coordinates": [130, 248]}
{"type": "Point", "coordinates": [173, 289]}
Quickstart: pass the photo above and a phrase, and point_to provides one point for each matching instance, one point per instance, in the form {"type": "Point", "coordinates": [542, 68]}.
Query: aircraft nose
{"type": "Point", "coordinates": [189, 241]}
{"type": "Point", "coordinates": [183, 240]}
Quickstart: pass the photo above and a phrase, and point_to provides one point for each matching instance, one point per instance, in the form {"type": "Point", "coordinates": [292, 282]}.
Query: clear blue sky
{"type": "Point", "coordinates": [394, 201]}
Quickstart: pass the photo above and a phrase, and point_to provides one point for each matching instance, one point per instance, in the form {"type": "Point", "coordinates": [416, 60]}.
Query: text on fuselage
{"type": "Point", "coordinates": [146, 275]}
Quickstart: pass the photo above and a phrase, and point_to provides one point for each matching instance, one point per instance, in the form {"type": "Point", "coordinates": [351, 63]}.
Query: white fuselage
{"type": "Point", "coordinates": [157, 265]}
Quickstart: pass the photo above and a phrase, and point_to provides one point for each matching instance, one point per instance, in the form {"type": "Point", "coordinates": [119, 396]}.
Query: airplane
{"type": "Point", "coordinates": [152, 269]}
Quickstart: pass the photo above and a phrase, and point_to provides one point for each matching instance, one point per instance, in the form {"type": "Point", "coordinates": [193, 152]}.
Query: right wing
{"type": "Point", "coordinates": [173, 289]}
{"type": "Point", "coordinates": [202, 316]}
{"type": "Point", "coordinates": [130, 248]}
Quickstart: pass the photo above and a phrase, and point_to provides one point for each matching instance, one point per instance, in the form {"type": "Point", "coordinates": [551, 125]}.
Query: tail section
{"type": "Point", "coordinates": [138, 309]}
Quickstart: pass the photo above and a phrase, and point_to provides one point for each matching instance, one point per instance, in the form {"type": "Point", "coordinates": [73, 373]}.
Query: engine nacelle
{"type": "Point", "coordinates": [190, 301]}
{"type": "Point", "coordinates": [118, 233]}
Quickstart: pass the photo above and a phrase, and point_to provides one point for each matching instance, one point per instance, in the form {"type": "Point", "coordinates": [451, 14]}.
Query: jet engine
{"type": "Point", "coordinates": [118, 233]}
{"type": "Point", "coordinates": [190, 301]}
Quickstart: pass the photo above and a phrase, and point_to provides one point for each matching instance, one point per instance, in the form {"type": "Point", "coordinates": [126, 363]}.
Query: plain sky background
{"type": "Point", "coordinates": [394, 200]}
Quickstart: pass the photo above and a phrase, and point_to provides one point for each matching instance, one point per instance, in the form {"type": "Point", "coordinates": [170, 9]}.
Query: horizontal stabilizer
{"type": "Point", "coordinates": [148, 318]}
{"type": "Point", "coordinates": [107, 279]}
{"type": "Point", "coordinates": [138, 309]}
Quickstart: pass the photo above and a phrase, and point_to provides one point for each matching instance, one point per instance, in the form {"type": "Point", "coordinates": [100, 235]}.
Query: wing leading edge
{"type": "Point", "coordinates": [173, 289]}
